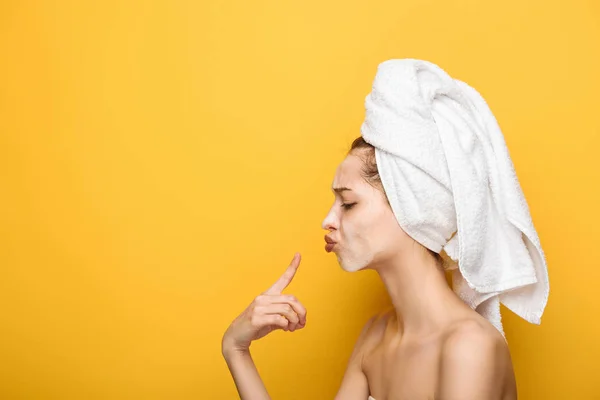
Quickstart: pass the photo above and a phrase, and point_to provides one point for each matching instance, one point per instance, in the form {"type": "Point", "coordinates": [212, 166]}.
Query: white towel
{"type": "Point", "coordinates": [445, 168]}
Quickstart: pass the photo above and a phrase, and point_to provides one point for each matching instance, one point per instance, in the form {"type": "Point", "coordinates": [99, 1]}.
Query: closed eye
{"type": "Point", "coordinates": [348, 206]}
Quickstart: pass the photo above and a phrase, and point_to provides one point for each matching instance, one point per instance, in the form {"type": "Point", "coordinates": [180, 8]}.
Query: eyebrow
{"type": "Point", "coordinates": [340, 189]}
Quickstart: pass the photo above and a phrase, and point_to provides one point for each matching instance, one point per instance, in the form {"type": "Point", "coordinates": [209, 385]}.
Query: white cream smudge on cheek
{"type": "Point", "coordinates": [360, 236]}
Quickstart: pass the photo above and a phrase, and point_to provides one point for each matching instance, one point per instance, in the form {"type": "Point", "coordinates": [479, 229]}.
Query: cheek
{"type": "Point", "coordinates": [365, 237]}
{"type": "Point", "coordinates": [358, 248]}
{"type": "Point", "coordinates": [365, 230]}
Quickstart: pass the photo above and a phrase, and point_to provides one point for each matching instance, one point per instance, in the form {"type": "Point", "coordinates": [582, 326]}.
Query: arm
{"type": "Point", "coordinates": [354, 384]}
{"type": "Point", "coordinates": [245, 375]}
{"type": "Point", "coordinates": [473, 367]}
{"type": "Point", "coordinates": [269, 311]}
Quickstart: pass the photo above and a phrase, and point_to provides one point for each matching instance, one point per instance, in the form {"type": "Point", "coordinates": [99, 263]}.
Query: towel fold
{"type": "Point", "coordinates": [451, 183]}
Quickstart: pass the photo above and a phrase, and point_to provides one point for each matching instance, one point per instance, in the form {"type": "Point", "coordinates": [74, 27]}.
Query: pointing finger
{"type": "Point", "coordinates": [287, 276]}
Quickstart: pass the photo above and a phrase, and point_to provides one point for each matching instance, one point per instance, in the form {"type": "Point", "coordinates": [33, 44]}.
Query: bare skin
{"type": "Point", "coordinates": [429, 345]}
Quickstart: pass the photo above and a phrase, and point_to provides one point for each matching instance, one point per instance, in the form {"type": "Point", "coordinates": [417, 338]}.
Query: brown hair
{"type": "Point", "coordinates": [370, 173]}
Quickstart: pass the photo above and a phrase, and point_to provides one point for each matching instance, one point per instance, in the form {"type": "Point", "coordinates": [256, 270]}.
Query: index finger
{"type": "Point", "coordinates": [287, 276]}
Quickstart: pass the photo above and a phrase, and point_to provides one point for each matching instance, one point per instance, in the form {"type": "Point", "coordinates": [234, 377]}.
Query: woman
{"type": "Point", "coordinates": [432, 344]}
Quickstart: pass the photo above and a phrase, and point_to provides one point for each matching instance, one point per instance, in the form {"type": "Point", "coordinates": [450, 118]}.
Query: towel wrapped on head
{"type": "Point", "coordinates": [451, 184]}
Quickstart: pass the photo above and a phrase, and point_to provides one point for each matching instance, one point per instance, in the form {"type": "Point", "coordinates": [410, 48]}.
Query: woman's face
{"type": "Point", "coordinates": [360, 221]}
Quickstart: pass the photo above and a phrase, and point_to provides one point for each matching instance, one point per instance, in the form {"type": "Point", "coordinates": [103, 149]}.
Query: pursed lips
{"type": "Point", "coordinates": [330, 243]}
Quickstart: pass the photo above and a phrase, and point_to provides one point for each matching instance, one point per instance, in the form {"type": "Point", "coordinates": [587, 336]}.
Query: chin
{"type": "Point", "coordinates": [352, 264]}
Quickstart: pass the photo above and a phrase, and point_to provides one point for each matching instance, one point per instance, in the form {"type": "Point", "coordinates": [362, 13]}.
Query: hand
{"type": "Point", "coordinates": [269, 311]}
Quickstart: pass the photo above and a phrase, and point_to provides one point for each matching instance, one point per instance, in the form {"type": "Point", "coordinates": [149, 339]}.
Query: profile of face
{"type": "Point", "coordinates": [361, 222]}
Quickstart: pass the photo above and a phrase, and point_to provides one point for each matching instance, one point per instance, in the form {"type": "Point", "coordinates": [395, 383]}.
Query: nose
{"type": "Point", "coordinates": [330, 221]}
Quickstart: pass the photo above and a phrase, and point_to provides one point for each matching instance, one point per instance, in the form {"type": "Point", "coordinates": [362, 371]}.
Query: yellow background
{"type": "Point", "coordinates": [160, 163]}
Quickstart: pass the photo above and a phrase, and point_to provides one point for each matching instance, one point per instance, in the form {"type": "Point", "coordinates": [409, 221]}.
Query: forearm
{"type": "Point", "coordinates": [245, 375]}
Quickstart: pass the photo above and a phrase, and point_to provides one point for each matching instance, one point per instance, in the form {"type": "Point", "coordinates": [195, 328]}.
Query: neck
{"type": "Point", "coordinates": [422, 299]}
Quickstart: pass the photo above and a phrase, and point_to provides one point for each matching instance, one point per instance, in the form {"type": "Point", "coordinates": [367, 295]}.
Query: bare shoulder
{"type": "Point", "coordinates": [377, 325]}
{"type": "Point", "coordinates": [471, 335]}
{"type": "Point", "coordinates": [473, 348]}
{"type": "Point", "coordinates": [374, 329]}
{"type": "Point", "coordinates": [354, 383]}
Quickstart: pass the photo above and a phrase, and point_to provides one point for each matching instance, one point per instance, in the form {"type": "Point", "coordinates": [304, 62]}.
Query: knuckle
{"type": "Point", "coordinates": [255, 321]}
{"type": "Point", "coordinates": [257, 310]}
